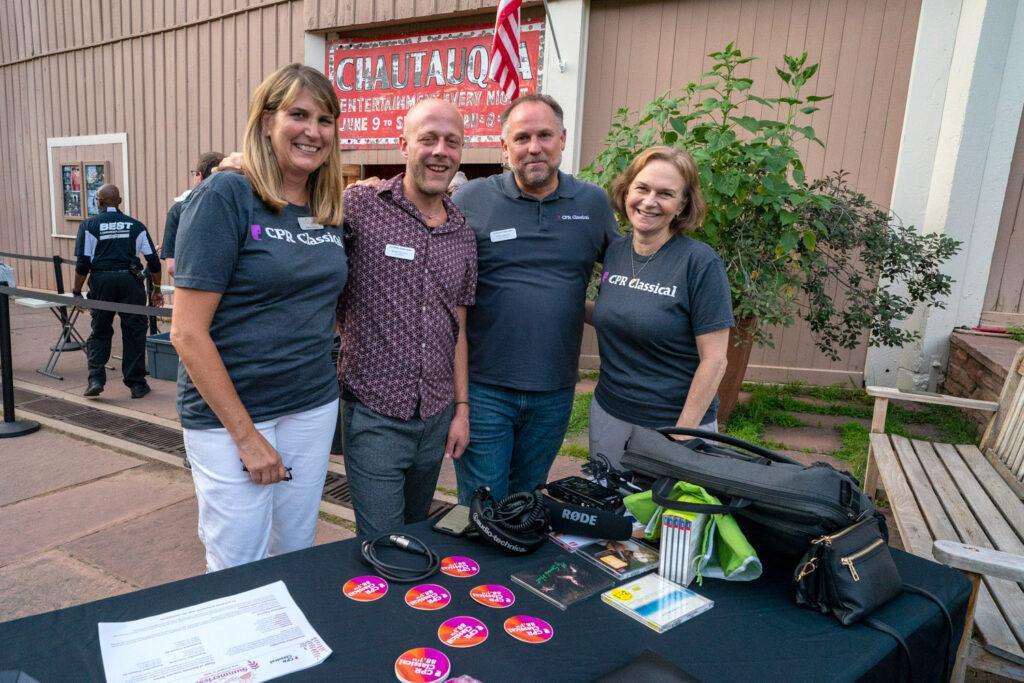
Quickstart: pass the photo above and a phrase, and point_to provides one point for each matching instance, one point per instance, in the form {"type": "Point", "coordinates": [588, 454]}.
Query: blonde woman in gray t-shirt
{"type": "Point", "coordinates": [663, 311]}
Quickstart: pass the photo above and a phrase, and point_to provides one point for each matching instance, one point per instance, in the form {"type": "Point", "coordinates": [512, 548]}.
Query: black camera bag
{"type": "Point", "coordinates": [781, 504]}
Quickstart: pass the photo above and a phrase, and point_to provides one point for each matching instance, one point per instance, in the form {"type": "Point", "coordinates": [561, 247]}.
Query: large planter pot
{"type": "Point", "coordinates": [740, 345]}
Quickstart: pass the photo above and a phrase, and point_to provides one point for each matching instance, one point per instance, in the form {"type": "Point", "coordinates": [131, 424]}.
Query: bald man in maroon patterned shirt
{"type": "Point", "coordinates": [403, 367]}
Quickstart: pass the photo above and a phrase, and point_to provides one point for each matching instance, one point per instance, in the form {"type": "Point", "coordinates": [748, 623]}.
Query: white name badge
{"type": "Point", "coordinates": [502, 235]}
{"type": "Point", "coordinates": [306, 223]}
{"type": "Point", "coordinates": [395, 251]}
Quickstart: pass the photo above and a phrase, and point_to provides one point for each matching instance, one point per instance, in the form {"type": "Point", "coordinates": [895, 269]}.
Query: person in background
{"type": "Point", "coordinates": [539, 232]}
{"type": "Point", "coordinates": [403, 366]}
{"type": "Point", "coordinates": [663, 311]}
{"type": "Point", "coordinates": [261, 263]}
{"type": "Point", "coordinates": [107, 248]}
{"type": "Point", "coordinates": [204, 167]}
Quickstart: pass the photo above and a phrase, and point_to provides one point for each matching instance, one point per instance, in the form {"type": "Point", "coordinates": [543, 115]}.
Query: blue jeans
{"type": "Point", "coordinates": [513, 438]}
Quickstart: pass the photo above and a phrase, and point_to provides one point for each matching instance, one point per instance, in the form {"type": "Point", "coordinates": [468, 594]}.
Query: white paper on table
{"type": "Point", "coordinates": [252, 636]}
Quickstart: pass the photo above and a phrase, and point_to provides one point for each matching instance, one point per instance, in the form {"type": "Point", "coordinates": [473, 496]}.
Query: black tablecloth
{"type": "Point", "coordinates": [754, 631]}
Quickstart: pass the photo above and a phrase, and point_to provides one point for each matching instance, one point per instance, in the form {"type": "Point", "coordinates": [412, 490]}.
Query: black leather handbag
{"type": "Point", "coordinates": [849, 573]}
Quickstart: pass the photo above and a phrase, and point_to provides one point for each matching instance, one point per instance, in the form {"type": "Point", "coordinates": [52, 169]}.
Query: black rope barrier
{"type": "Point", "coordinates": [27, 257]}
{"type": "Point", "coordinates": [11, 426]}
{"type": "Point", "coordinates": [82, 302]}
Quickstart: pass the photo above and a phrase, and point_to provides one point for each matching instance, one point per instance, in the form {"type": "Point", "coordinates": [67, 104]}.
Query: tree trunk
{"type": "Point", "coordinates": [740, 345]}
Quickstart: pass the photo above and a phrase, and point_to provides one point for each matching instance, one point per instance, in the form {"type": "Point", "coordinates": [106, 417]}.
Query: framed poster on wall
{"type": "Point", "coordinates": [95, 177]}
{"type": "Point", "coordinates": [71, 183]}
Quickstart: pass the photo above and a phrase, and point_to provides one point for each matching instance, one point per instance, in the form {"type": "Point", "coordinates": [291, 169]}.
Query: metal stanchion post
{"type": "Point", "coordinates": [66, 342]}
{"type": "Point", "coordinates": [10, 426]}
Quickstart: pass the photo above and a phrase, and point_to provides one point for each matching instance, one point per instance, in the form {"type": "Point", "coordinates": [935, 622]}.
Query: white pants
{"type": "Point", "coordinates": [240, 521]}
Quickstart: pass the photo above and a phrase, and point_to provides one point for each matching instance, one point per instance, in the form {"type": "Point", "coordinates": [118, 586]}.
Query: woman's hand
{"type": "Point", "coordinates": [232, 162]}
{"type": "Point", "coordinates": [261, 459]}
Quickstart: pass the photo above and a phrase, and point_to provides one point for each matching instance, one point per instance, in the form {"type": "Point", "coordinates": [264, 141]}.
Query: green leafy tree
{"type": "Point", "coordinates": [784, 240]}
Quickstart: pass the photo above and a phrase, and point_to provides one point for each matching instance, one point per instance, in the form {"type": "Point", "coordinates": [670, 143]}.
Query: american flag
{"type": "Point", "coordinates": [505, 48]}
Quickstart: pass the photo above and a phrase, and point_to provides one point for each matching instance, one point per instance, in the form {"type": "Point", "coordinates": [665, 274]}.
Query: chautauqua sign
{"type": "Point", "coordinates": [377, 80]}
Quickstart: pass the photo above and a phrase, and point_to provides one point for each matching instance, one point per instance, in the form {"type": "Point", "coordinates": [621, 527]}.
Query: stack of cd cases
{"type": "Point", "coordinates": [656, 602]}
{"type": "Point", "coordinates": [680, 545]}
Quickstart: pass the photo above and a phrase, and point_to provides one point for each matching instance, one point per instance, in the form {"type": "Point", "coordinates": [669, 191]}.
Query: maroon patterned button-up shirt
{"type": "Point", "coordinates": [399, 311]}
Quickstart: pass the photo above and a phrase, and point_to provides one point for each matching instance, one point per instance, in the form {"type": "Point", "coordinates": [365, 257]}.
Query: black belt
{"type": "Point", "coordinates": [111, 270]}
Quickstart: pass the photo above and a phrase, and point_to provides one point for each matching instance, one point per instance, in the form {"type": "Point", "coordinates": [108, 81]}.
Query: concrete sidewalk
{"type": "Point", "coordinates": [81, 520]}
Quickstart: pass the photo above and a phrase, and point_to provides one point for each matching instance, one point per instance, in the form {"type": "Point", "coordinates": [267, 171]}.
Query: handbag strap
{"type": "Point", "coordinates": [661, 492]}
{"type": "Point", "coordinates": [886, 628]}
{"type": "Point", "coordinates": [950, 653]}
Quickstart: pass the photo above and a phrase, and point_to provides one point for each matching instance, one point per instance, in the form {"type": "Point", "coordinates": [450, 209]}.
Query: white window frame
{"type": "Point", "coordinates": [75, 141]}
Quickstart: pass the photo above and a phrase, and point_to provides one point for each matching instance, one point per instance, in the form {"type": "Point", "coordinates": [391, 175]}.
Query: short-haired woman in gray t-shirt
{"type": "Point", "coordinates": [260, 264]}
{"type": "Point", "coordinates": [663, 311]}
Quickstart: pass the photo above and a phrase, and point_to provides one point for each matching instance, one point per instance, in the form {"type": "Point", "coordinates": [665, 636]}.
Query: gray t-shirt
{"type": "Point", "coordinates": [280, 282]}
{"type": "Point", "coordinates": [535, 259]}
{"type": "Point", "coordinates": [647, 325]}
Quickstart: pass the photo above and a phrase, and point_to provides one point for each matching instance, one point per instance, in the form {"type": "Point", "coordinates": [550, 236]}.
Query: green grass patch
{"type": "Point", "coordinates": [953, 425]}
{"type": "Point", "coordinates": [835, 392]}
{"type": "Point", "coordinates": [592, 375]}
{"type": "Point", "coordinates": [855, 447]}
{"type": "Point", "coordinates": [574, 450]}
{"type": "Point", "coordinates": [579, 420]}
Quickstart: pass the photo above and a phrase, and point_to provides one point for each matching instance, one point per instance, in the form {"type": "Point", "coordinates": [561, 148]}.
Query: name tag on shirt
{"type": "Point", "coordinates": [502, 235]}
{"type": "Point", "coordinates": [306, 223]}
{"type": "Point", "coordinates": [396, 251]}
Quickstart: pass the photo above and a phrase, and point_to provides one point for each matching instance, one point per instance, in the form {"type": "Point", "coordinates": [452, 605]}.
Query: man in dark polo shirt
{"type": "Point", "coordinates": [412, 273]}
{"type": "Point", "coordinates": [107, 248]}
{"type": "Point", "coordinates": [204, 168]}
{"type": "Point", "coordinates": [539, 233]}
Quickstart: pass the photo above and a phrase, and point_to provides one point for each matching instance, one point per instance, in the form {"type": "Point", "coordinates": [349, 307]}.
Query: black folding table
{"type": "Point", "coordinates": [754, 631]}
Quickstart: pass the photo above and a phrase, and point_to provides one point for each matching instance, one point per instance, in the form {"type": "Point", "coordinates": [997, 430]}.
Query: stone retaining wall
{"type": "Point", "coordinates": [977, 369]}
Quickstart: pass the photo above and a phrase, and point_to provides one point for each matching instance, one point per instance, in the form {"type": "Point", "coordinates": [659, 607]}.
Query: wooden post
{"type": "Point", "coordinates": [960, 664]}
{"type": "Point", "coordinates": [877, 427]}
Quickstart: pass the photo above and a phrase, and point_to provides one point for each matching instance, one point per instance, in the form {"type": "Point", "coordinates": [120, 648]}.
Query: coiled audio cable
{"type": "Point", "coordinates": [396, 572]}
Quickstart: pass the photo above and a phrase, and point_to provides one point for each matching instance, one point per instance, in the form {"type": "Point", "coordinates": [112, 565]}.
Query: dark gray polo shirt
{"type": "Point", "coordinates": [535, 258]}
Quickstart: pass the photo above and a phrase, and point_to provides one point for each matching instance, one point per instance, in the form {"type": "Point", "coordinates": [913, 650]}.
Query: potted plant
{"type": "Point", "coordinates": [784, 240]}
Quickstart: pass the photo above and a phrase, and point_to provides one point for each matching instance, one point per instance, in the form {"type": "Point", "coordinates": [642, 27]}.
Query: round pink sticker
{"type": "Point", "coordinates": [493, 595]}
{"type": "Point", "coordinates": [365, 588]}
{"type": "Point", "coordinates": [529, 629]}
{"type": "Point", "coordinates": [422, 665]}
{"type": "Point", "coordinates": [462, 632]}
{"type": "Point", "coordinates": [428, 596]}
{"type": "Point", "coordinates": [459, 567]}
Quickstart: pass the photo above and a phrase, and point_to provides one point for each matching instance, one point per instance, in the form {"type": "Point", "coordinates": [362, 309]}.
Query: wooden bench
{"type": "Point", "coordinates": [962, 505]}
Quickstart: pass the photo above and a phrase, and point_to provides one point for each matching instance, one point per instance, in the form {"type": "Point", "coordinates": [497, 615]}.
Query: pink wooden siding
{"type": "Point", "coordinates": [174, 76]}
{"type": "Point", "coordinates": [640, 49]}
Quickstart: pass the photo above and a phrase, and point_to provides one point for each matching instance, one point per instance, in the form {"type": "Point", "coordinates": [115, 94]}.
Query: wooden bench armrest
{"type": "Point", "coordinates": [971, 558]}
{"type": "Point", "coordinates": [894, 394]}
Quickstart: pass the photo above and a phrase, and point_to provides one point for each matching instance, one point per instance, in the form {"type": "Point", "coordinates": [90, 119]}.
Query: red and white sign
{"type": "Point", "coordinates": [378, 80]}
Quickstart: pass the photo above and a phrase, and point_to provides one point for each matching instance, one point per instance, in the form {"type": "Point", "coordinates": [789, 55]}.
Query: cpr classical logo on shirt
{"type": "Point", "coordinates": [638, 284]}
{"type": "Point", "coordinates": [574, 217]}
{"type": "Point", "coordinates": [258, 232]}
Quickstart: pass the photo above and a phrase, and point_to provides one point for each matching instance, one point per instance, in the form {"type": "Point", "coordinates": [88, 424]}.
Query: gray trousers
{"type": "Point", "coordinates": [392, 465]}
{"type": "Point", "coordinates": [608, 434]}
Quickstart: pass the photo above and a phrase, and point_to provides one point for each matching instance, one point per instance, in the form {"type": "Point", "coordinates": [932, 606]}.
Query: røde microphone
{"type": "Point", "coordinates": [589, 522]}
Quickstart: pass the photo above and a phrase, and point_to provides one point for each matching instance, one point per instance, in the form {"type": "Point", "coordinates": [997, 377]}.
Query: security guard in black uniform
{"type": "Point", "coordinates": [107, 249]}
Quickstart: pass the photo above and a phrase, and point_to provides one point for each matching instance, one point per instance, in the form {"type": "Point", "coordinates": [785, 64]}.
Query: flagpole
{"type": "Point", "coordinates": [554, 38]}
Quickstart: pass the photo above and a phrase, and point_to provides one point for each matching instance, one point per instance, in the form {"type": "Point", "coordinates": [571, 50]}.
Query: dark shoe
{"type": "Point", "coordinates": [93, 390]}
{"type": "Point", "coordinates": [140, 390]}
